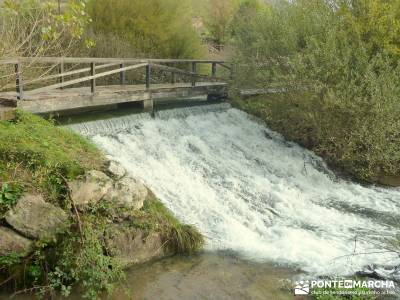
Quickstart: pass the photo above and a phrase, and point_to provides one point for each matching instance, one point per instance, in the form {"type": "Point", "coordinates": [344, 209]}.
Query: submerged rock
{"type": "Point", "coordinates": [132, 246]}
{"type": "Point", "coordinates": [393, 181]}
{"type": "Point", "coordinates": [127, 193]}
{"type": "Point", "coordinates": [116, 170]}
{"type": "Point", "coordinates": [12, 242]}
{"type": "Point", "coordinates": [35, 218]}
{"type": "Point", "coordinates": [90, 189]}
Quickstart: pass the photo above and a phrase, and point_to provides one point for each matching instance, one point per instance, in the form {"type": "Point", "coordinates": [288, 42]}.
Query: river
{"type": "Point", "coordinates": [250, 191]}
{"type": "Point", "coordinates": [273, 205]}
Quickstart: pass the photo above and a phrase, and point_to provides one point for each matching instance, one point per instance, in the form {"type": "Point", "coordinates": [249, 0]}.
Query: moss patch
{"type": "Point", "coordinates": [180, 238]}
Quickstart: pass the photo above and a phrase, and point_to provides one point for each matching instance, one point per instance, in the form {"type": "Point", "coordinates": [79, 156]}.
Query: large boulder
{"type": "Point", "coordinates": [127, 193]}
{"type": "Point", "coordinates": [90, 189]}
{"type": "Point", "coordinates": [12, 242]}
{"type": "Point", "coordinates": [132, 246]}
{"type": "Point", "coordinates": [35, 218]}
{"type": "Point", "coordinates": [115, 170]}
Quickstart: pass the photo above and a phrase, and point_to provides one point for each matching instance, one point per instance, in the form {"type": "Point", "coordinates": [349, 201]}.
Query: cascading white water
{"type": "Point", "coordinates": [250, 191]}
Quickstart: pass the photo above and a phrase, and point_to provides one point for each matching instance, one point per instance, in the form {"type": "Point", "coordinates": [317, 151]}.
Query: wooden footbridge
{"type": "Point", "coordinates": [53, 85]}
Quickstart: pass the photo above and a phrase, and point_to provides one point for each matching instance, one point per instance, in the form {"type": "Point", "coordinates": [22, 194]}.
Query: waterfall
{"type": "Point", "coordinates": [250, 191]}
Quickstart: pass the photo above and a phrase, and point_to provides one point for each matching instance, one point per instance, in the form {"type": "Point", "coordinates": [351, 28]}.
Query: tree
{"type": "Point", "coordinates": [160, 28]}
{"type": "Point", "coordinates": [376, 22]}
{"type": "Point", "coordinates": [339, 64]}
{"type": "Point", "coordinates": [218, 19]}
{"type": "Point", "coordinates": [37, 28]}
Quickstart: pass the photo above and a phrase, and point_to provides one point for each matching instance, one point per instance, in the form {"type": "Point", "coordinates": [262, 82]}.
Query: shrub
{"type": "Point", "coordinates": [342, 89]}
{"type": "Point", "coordinates": [155, 28]}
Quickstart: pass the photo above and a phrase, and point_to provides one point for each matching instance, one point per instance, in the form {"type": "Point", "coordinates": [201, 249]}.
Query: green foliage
{"type": "Point", "coordinates": [217, 17]}
{"type": "Point", "coordinates": [80, 258]}
{"type": "Point", "coordinates": [375, 22]}
{"type": "Point", "coordinates": [35, 27]}
{"type": "Point", "coordinates": [156, 28]}
{"type": "Point", "coordinates": [9, 260]}
{"type": "Point", "coordinates": [35, 154]}
{"type": "Point", "coordinates": [39, 155]}
{"type": "Point", "coordinates": [9, 195]}
{"type": "Point", "coordinates": [341, 81]}
{"type": "Point", "coordinates": [180, 238]}
{"type": "Point", "coordinates": [185, 239]}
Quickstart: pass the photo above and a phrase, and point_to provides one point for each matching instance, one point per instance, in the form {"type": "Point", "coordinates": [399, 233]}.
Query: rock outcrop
{"type": "Point", "coordinates": [35, 218]}
{"type": "Point", "coordinates": [393, 181]}
{"type": "Point", "coordinates": [95, 186]}
{"type": "Point", "coordinates": [132, 245]}
{"type": "Point", "coordinates": [127, 193]}
{"type": "Point", "coordinates": [12, 242]}
{"type": "Point", "coordinates": [115, 170]}
{"type": "Point", "coordinates": [90, 189]}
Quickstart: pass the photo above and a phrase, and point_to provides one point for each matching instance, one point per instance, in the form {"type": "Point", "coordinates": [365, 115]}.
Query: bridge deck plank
{"type": "Point", "coordinates": [81, 97]}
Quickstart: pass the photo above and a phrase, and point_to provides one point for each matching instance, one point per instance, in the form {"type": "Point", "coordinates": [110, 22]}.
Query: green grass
{"type": "Point", "coordinates": [364, 153]}
{"type": "Point", "coordinates": [180, 238]}
{"type": "Point", "coordinates": [38, 155]}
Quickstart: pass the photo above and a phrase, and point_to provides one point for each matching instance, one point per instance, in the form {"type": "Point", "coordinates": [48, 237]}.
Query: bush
{"type": "Point", "coordinates": [342, 89]}
{"type": "Point", "coordinates": [179, 238]}
{"type": "Point", "coordinates": [154, 28]}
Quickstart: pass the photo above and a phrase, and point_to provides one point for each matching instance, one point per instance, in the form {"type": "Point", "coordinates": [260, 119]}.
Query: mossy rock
{"type": "Point", "coordinates": [35, 218]}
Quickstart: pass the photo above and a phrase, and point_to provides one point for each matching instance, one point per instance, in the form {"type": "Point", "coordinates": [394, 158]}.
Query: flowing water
{"type": "Point", "coordinates": [251, 192]}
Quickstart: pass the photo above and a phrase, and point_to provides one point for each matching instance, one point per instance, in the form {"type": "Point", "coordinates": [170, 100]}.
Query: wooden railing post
{"type": "Point", "coordinates": [93, 80]}
{"type": "Point", "coordinates": [214, 70]}
{"type": "Point", "coordinates": [61, 71]}
{"type": "Point", "coordinates": [122, 75]}
{"type": "Point", "coordinates": [194, 70]}
{"type": "Point", "coordinates": [148, 75]}
{"type": "Point", "coordinates": [18, 81]}
{"type": "Point", "coordinates": [173, 74]}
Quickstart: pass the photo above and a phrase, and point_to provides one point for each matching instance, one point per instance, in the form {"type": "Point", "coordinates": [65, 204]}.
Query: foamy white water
{"type": "Point", "coordinates": [250, 191]}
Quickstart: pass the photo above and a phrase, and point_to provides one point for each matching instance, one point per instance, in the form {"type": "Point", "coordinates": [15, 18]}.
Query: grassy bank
{"type": "Point", "coordinates": [365, 153]}
{"type": "Point", "coordinates": [39, 158]}
{"type": "Point", "coordinates": [349, 68]}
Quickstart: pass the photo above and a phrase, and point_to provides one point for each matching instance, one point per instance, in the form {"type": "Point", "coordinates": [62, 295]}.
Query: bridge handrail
{"type": "Point", "coordinates": [105, 62]}
{"type": "Point", "coordinates": [83, 60]}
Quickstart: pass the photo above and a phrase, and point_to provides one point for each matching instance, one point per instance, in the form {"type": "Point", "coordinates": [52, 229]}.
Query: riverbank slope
{"type": "Point", "coordinates": [69, 216]}
{"type": "Point", "coordinates": [291, 115]}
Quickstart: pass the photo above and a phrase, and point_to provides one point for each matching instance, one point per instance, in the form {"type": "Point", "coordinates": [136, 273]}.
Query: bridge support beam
{"type": "Point", "coordinates": [148, 105]}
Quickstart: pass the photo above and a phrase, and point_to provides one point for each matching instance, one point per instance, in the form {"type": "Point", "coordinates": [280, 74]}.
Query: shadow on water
{"type": "Point", "coordinates": [205, 276]}
{"type": "Point", "coordinates": [126, 109]}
